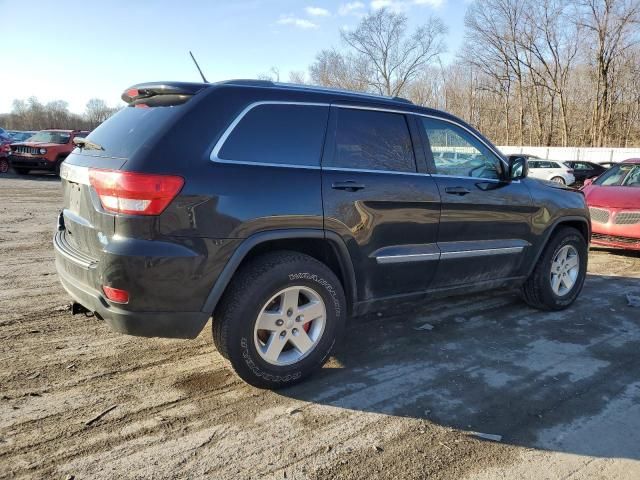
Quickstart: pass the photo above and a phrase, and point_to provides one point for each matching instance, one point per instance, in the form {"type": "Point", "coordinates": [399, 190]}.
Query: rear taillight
{"type": "Point", "coordinates": [6, 148]}
{"type": "Point", "coordinates": [134, 193]}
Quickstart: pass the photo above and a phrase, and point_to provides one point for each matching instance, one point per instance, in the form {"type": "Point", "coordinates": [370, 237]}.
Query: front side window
{"type": "Point", "coordinates": [372, 140]}
{"type": "Point", "coordinates": [278, 133]}
{"type": "Point", "coordinates": [458, 153]}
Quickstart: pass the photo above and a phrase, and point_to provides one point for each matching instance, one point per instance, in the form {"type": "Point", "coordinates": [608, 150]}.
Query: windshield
{"type": "Point", "coordinates": [621, 175]}
{"type": "Point", "coordinates": [50, 137]}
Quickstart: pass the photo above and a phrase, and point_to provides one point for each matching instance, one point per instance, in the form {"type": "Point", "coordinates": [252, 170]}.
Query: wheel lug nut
{"type": "Point", "coordinates": [289, 312]}
{"type": "Point", "coordinates": [283, 333]}
{"type": "Point", "coordinates": [299, 318]}
{"type": "Point", "coordinates": [279, 322]}
{"type": "Point", "coordinates": [295, 331]}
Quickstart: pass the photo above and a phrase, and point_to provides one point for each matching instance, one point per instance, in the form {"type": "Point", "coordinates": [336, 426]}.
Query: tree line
{"type": "Point", "coordinates": [31, 114]}
{"type": "Point", "coordinates": [530, 72]}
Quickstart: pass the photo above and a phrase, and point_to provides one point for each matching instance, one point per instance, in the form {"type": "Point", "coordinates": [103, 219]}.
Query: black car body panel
{"type": "Point", "coordinates": [387, 234]}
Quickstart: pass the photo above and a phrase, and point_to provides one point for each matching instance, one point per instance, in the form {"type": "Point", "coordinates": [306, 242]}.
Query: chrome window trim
{"type": "Point", "coordinates": [214, 156]}
{"type": "Point", "coordinates": [364, 170]}
{"type": "Point", "coordinates": [453, 122]}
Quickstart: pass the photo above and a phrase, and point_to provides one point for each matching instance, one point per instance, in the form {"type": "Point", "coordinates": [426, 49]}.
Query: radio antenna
{"type": "Point", "coordinates": [198, 67]}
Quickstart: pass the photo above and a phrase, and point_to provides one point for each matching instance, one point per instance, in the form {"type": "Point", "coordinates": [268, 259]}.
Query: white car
{"type": "Point", "coordinates": [550, 170]}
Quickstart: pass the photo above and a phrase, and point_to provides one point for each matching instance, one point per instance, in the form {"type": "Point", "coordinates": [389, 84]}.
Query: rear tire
{"type": "Point", "coordinates": [4, 165]}
{"type": "Point", "coordinates": [22, 170]}
{"type": "Point", "coordinates": [257, 295]}
{"type": "Point", "coordinates": [545, 289]}
{"type": "Point", "coordinates": [559, 180]}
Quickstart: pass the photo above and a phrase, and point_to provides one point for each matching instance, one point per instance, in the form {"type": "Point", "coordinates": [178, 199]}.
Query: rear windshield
{"type": "Point", "coordinates": [621, 175]}
{"type": "Point", "coordinates": [129, 129]}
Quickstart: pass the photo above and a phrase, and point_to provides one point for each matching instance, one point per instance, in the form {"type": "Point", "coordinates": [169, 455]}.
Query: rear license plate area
{"type": "Point", "coordinates": [75, 195]}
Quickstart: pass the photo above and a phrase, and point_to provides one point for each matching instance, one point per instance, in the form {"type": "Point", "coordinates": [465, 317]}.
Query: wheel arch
{"type": "Point", "coordinates": [326, 247]}
{"type": "Point", "coordinates": [579, 223]}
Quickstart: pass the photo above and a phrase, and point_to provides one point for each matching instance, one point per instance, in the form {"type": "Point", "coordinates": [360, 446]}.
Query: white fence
{"type": "Point", "coordinates": [597, 155]}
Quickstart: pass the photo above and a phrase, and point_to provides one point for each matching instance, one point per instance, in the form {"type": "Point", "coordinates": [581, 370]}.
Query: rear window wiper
{"type": "Point", "coordinates": [86, 144]}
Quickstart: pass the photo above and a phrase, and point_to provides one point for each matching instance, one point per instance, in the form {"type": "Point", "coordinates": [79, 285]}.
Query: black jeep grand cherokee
{"type": "Point", "coordinates": [281, 210]}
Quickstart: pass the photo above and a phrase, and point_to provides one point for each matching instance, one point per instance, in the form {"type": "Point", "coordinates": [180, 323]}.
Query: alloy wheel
{"type": "Point", "coordinates": [290, 325]}
{"type": "Point", "coordinates": [565, 268]}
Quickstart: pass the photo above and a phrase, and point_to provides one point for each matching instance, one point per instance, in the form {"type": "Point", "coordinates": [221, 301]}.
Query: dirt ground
{"type": "Point", "coordinates": [561, 389]}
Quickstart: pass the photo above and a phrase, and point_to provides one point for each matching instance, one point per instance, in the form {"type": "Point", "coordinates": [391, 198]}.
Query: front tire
{"type": "Point", "coordinates": [559, 275]}
{"type": "Point", "coordinates": [4, 165]}
{"type": "Point", "coordinates": [279, 319]}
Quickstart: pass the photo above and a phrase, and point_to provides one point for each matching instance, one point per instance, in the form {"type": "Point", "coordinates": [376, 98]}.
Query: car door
{"type": "Point", "coordinates": [485, 218]}
{"type": "Point", "coordinates": [384, 208]}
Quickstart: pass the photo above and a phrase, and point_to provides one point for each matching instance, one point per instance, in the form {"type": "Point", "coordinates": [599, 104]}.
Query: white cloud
{"type": "Point", "coordinates": [432, 3]}
{"type": "Point", "coordinates": [296, 22]}
{"type": "Point", "coordinates": [317, 12]}
{"type": "Point", "coordinates": [403, 5]}
{"type": "Point", "coordinates": [351, 8]}
{"type": "Point", "coordinates": [393, 5]}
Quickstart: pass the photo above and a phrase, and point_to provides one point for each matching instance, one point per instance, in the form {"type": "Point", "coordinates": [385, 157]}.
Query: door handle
{"type": "Point", "coordinates": [457, 190]}
{"type": "Point", "coordinates": [349, 186]}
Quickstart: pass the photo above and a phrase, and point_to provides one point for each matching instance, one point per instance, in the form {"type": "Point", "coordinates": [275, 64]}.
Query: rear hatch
{"type": "Point", "coordinates": [87, 223]}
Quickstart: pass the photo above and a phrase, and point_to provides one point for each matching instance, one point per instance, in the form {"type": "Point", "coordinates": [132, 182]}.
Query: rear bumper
{"type": "Point", "coordinates": [79, 276]}
{"type": "Point", "coordinates": [39, 163]}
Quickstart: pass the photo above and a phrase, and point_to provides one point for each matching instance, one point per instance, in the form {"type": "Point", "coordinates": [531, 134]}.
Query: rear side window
{"type": "Point", "coordinates": [372, 140]}
{"type": "Point", "coordinates": [280, 134]}
{"type": "Point", "coordinates": [130, 129]}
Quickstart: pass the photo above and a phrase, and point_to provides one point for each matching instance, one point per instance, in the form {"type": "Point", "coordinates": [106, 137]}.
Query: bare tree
{"type": "Point", "coordinates": [393, 55]}
{"type": "Point", "coordinates": [97, 111]}
{"type": "Point", "coordinates": [334, 69]}
{"type": "Point", "coordinates": [615, 28]}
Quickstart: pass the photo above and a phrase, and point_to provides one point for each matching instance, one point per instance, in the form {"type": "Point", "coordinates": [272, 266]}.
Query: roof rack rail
{"type": "Point", "coordinates": [250, 82]}
{"type": "Point", "coordinates": [319, 88]}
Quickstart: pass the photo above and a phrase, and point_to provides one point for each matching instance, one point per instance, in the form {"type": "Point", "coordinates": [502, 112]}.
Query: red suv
{"type": "Point", "coordinates": [44, 151]}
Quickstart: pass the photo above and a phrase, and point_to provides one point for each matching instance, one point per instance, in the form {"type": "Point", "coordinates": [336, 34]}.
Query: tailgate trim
{"type": "Point", "coordinates": [74, 173]}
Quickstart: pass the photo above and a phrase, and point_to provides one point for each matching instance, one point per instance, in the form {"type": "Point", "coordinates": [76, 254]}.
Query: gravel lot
{"type": "Point", "coordinates": [562, 389]}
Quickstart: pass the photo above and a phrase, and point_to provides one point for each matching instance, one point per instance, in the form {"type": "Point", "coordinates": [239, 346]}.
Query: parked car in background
{"type": "Point", "coordinates": [5, 149]}
{"type": "Point", "coordinates": [550, 170]}
{"type": "Point", "coordinates": [280, 210]}
{"type": "Point", "coordinates": [583, 170]}
{"type": "Point", "coordinates": [21, 135]}
{"type": "Point", "coordinates": [614, 204]}
{"type": "Point", "coordinates": [45, 150]}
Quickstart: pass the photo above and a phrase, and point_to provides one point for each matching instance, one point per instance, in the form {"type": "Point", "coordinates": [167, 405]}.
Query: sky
{"type": "Point", "coordinates": [75, 50]}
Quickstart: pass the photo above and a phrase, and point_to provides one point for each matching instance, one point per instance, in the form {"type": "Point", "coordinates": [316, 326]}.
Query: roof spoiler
{"type": "Point", "coordinates": [160, 94]}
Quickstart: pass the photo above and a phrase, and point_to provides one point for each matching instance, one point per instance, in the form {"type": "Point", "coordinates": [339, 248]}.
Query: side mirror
{"type": "Point", "coordinates": [518, 168]}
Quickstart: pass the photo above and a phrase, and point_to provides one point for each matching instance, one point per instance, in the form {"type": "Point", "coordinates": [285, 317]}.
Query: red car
{"type": "Point", "coordinates": [614, 203]}
{"type": "Point", "coordinates": [5, 149]}
{"type": "Point", "coordinates": [46, 150]}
